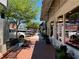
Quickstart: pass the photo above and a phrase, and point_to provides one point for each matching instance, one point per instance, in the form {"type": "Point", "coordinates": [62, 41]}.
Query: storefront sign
{"type": "Point", "coordinates": [72, 28]}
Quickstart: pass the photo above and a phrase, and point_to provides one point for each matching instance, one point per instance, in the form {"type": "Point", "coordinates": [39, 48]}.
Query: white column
{"type": "Point", "coordinates": [55, 33]}
{"type": "Point", "coordinates": [47, 29]}
{"type": "Point", "coordinates": [54, 29]}
{"type": "Point", "coordinates": [3, 35]}
{"type": "Point", "coordinates": [63, 30]}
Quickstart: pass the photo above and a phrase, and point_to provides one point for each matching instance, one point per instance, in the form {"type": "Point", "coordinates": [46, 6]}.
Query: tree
{"type": "Point", "coordinates": [2, 11]}
{"type": "Point", "coordinates": [22, 9]}
{"type": "Point", "coordinates": [1, 8]}
{"type": "Point", "coordinates": [25, 9]}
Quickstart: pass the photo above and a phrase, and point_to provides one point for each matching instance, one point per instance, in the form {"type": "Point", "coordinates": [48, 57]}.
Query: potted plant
{"type": "Point", "coordinates": [62, 53]}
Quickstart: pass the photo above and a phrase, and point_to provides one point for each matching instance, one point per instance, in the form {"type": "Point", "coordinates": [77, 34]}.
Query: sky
{"type": "Point", "coordinates": [39, 4]}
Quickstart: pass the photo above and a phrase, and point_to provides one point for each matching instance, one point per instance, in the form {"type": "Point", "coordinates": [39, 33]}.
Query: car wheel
{"type": "Point", "coordinates": [21, 36]}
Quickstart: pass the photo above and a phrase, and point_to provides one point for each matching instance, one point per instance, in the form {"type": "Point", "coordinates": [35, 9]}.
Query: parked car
{"type": "Point", "coordinates": [12, 34]}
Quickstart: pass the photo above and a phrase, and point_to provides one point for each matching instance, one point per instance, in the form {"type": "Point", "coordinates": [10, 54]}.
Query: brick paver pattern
{"type": "Point", "coordinates": [37, 50]}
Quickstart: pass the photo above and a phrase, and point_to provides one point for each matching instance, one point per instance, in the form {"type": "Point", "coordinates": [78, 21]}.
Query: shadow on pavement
{"type": "Point", "coordinates": [12, 54]}
{"type": "Point", "coordinates": [43, 51]}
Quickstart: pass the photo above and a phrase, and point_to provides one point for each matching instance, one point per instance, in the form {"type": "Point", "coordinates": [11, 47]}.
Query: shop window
{"type": "Point", "coordinates": [72, 33]}
{"type": "Point", "coordinates": [72, 28]}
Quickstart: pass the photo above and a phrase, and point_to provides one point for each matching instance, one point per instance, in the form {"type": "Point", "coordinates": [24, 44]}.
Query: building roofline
{"type": "Point", "coordinates": [46, 4]}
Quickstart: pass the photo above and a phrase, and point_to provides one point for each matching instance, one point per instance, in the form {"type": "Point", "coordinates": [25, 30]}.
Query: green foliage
{"type": "Point", "coordinates": [1, 8]}
{"type": "Point", "coordinates": [25, 9]}
{"type": "Point", "coordinates": [33, 25]}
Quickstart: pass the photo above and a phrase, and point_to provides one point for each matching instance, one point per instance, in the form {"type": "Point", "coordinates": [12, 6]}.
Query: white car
{"type": "Point", "coordinates": [12, 34]}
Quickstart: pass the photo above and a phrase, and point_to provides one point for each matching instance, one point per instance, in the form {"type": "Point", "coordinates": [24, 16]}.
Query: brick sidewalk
{"type": "Point", "coordinates": [37, 51]}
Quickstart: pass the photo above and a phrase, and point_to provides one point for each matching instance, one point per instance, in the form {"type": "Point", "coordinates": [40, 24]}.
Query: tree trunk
{"type": "Point", "coordinates": [16, 31]}
{"type": "Point", "coordinates": [17, 25]}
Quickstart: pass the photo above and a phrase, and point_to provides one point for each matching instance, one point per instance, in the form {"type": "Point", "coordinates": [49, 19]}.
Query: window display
{"type": "Point", "coordinates": [72, 32]}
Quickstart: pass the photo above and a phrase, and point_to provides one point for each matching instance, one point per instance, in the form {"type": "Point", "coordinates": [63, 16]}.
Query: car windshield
{"type": "Point", "coordinates": [21, 31]}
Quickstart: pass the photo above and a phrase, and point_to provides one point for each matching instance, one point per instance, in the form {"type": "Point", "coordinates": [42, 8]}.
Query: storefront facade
{"type": "Point", "coordinates": [65, 23]}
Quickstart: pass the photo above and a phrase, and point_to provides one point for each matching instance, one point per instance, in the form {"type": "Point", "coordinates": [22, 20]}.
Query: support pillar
{"type": "Point", "coordinates": [63, 30]}
{"type": "Point", "coordinates": [55, 30]}
{"type": "Point", "coordinates": [48, 28]}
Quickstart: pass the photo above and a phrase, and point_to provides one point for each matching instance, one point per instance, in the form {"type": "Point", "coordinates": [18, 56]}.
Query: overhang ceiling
{"type": "Point", "coordinates": [45, 8]}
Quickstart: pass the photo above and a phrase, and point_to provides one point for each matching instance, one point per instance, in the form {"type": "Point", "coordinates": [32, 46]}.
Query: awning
{"type": "Point", "coordinates": [67, 7]}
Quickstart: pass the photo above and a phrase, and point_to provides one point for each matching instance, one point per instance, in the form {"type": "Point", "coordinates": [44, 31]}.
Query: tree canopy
{"type": "Point", "coordinates": [1, 8]}
{"type": "Point", "coordinates": [33, 25]}
{"type": "Point", "coordinates": [22, 9]}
